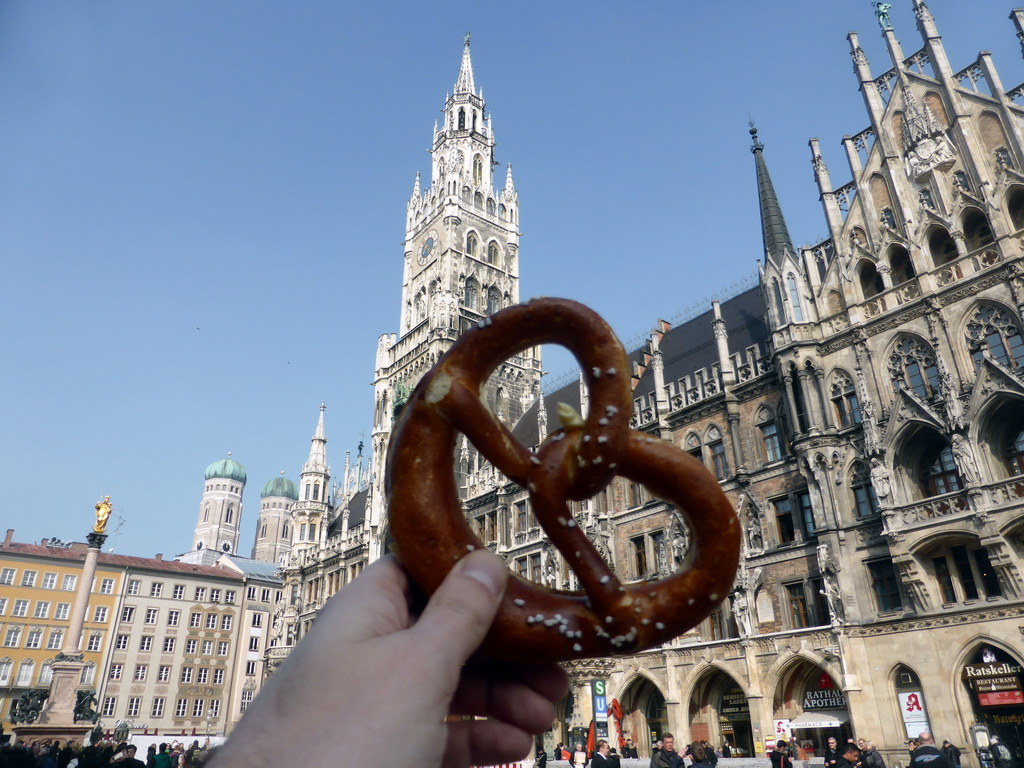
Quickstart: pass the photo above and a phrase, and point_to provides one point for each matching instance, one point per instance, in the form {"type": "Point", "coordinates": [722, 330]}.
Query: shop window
{"type": "Point", "coordinates": [994, 330]}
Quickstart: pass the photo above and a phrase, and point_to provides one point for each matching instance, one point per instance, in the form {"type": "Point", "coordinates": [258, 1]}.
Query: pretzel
{"type": "Point", "coordinates": [431, 534]}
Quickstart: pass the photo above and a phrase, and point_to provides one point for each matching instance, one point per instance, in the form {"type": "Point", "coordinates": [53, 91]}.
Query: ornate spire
{"type": "Point", "coordinates": [317, 461]}
{"type": "Point", "coordinates": [416, 186]}
{"type": "Point", "coordinates": [774, 233]}
{"type": "Point", "coordinates": [918, 120]}
{"type": "Point", "coordinates": [509, 184]}
{"type": "Point", "coordinates": [464, 83]}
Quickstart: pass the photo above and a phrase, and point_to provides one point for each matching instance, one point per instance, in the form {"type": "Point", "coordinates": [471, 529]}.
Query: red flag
{"type": "Point", "coordinates": [590, 739]}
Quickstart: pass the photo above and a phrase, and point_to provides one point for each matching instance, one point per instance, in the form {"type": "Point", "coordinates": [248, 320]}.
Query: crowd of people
{"type": "Point", "coordinates": [103, 754]}
{"type": "Point", "coordinates": [862, 753]}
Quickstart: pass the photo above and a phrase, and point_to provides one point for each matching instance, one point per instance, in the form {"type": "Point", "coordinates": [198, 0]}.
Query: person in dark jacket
{"type": "Point", "coordinates": [870, 757]}
{"type": "Point", "coordinates": [629, 750]}
{"type": "Point", "coordinates": [850, 758]}
{"type": "Point", "coordinates": [927, 755]}
{"type": "Point", "coordinates": [779, 756]}
{"type": "Point", "coordinates": [540, 758]}
{"type": "Point", "coordinates": [951, 752]}
{"type": "Point", "coordinates": [832, 753]}
{"type": "Point", "coordinates": [727, 750]}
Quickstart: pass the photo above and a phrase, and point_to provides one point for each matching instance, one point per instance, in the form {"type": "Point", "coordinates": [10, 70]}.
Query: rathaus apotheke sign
{"type": "Point", "coordinates": [824, 698]}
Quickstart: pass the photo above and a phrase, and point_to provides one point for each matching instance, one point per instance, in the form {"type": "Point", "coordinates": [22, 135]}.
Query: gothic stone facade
{"type": "Point", "coordinates": [862, 406]}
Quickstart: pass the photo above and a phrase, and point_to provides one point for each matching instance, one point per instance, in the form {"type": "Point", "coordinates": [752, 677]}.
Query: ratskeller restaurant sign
{"type": "Point", "coordinates": [996, 683]}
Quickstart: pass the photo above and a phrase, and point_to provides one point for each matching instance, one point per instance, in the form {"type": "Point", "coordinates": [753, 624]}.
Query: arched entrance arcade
{"type": "Point", "coordinates": [720, 714]}
{"type": "Point", "coordinates": [810, 705]}
{"type": "Point", "coordinates": [644, 714]}
{"type": "Point", "coordinates": [991, 686]}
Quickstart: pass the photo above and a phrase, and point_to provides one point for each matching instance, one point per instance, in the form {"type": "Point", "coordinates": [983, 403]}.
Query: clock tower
{"type": "Point", "coordinates": [461, 264]}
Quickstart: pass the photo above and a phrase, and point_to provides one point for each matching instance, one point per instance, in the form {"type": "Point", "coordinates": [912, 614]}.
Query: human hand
{"type": "Point", "coordinates": [370, 679]}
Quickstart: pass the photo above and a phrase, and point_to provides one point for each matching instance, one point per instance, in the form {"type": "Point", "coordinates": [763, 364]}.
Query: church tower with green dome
{"type": "Point", "coordinates": [274, 530]}
{"type": "Point", "coordinates": [220, 511]}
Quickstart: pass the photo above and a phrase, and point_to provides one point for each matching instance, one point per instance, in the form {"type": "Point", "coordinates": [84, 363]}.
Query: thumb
{"type": "Point", "coordinates": [460, 612]}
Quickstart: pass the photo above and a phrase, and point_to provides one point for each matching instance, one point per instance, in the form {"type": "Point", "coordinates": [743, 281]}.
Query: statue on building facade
{"type": "Point", "coordinates": [880, 479]}
{"type": "Point", "coordinates": [755, 542]}
{"type": "Point", "coordinates": [965, 459]}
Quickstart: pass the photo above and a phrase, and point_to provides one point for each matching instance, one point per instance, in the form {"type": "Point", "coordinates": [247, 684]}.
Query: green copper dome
{"type": "Point", "coordinates": [280, 487]}
{"type": "Point", "coordinates": [228, 469]}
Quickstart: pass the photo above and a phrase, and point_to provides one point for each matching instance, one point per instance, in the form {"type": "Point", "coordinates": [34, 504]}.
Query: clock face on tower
{"type": "Point", "coordinates": [427, 249]}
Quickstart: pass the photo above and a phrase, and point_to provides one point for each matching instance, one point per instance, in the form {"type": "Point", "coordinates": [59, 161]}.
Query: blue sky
{"type": "Point", "coordinates": [202, 205]}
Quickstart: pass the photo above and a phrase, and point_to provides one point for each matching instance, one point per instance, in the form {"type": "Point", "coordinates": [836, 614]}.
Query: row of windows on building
{"type": "Point", "coordinates": [107, 586]}
{"type": "Point", "coordinates": [184, 708]}
{"type": "Point", "coordinates": [26, 673]}
{"type": "Point", "coordinates": [224, 487]}
{"type": "Point", "coordinates": [961, 574]}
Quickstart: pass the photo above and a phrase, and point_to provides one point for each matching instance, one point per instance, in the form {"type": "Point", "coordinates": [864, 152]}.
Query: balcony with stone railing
{"type": "Point", "coordinates": [925, 512]}
{"type": "Point", "coordinates": [947, 274]}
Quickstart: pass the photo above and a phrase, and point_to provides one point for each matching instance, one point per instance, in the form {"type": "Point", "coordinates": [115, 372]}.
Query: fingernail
{"type": "Point", "coordinates": [486, 568]}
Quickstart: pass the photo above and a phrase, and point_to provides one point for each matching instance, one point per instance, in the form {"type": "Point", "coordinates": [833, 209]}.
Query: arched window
{"type": "Point", "coordinates": [770, 436]}
{"type": "Point", "coordinates": [492, 253]}
{"type": "Point", "coordinates": [306, 492]}
{"type": "Point", "coordinates": [1015, 207]}
{"type": "Point", "coordinates": [780, 309]}
{"type": "Point", "coordinates": [206, 513]}
{"type": "Point", "coordinates": [263, 531]}
{"type": "Point", "coordinates": [490, 206]}
{"type": "Point", "coordinates": [472, 292]}
{"type": "Point", "coordinates": [716, 447]}
{"type": "Point", "coordinates": [284, 531]}
{"type": "Point", "coordinates": [964, 572]}
{"type": "Point", "coordinates": [316, 491]}
{"type": "Point", "coordinates": [865, 500]}
{"type": "Point", "coordinates": [794, 299]}
{"type": "Point", "coordinates": [230, 516]}
{"type": "Point", "coordinates": [478, 170]}
{"type": "Point", "coordinates": [471, 243]}
{"type": "Point", "coordinates": [870, 281]}
{"type": "Point", "coordinates": [977, 231]}
{"type": "Point", "coordinates": [844, 401]}
{"type": "Point", "coordinates": [900, 264]}
{"type": "Point", "coordinates": [994, 330]}
{"type": "Point", "coordinates": [941, 246]}
{"type": "Point", "coordinates": [503, 212]}
{"type": "Point", "coordinates": [938, 470]}
{"type": "Point", "coordinates": [912, 366]}
{"type": "Point", "coordinates": [478, 200]}
{"type": "Point", "coordinates": [462, 119]}
{"type": "Point", "coordinates": [493, 300]}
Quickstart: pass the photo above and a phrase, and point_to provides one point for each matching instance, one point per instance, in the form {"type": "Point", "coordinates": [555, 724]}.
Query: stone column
{"type": "Point", "coordinates": [67, 667]}
{"type": "Point", "coordinates": [57, 718]}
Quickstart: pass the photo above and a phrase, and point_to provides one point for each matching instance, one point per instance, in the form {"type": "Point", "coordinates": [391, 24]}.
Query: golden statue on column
{"type": "Point", "coordinates": [103, 509]}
